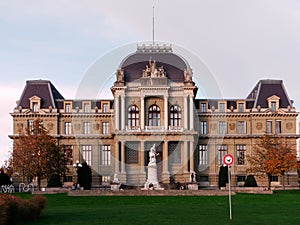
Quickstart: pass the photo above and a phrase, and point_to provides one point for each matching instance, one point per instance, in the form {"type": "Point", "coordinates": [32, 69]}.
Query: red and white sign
{"type": "Point", "coordinates": [228, 160]}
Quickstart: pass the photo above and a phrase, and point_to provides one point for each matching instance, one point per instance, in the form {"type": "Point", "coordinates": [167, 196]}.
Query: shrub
{"type": "Point", "coordinates": [14, 210]}
{"type": "Point", "coordinates": [223, 176]}
{"type": "Point", "coordinates": [85, 176]}
{"type": "Point", "coordinates": [250, 181]}
{"type": "Point", "coordinates": [54, 181]}
{"type": "Point", "coordinates": [4, 179]}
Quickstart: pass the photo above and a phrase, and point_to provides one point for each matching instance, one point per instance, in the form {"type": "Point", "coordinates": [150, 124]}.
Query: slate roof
{"type": "Point", "coordinates": [174, 65]}
{"type": "Point", "coordinates": [44, 89]}
{"type": "Point", "coordinates": [267, 88]}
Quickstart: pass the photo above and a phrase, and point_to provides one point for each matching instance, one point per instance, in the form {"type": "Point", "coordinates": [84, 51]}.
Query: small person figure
{"type": "Point", "coordinates": [192, 177]}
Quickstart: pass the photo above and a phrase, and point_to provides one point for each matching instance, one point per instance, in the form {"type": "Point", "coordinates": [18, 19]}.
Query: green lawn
{"type": "Point", "coordinates": [279, 208]}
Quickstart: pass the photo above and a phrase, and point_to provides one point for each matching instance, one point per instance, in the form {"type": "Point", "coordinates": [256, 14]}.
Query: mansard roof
{"type": "Point", "coordinates": [173, 64]}
{"type": "Point", "coordinates": [267, 88]}
{"type": "Point", "coordinates": [44, 89]}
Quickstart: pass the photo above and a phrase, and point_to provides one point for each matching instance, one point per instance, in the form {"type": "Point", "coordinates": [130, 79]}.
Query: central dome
{"type": "Point", "coordinates": [173, 64]}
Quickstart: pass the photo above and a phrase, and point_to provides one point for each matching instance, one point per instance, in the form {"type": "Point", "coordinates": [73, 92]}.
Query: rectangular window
{"type": "Point", "coordinates": [278, 127]}
{"type": "Point", "coordinates": [203, 107]}
{"type": "Point", "coordinates": [105, 179]}
{"type": "Point", "coordinates": [241, 128]}
{"type": "Point", "coordinates": [203, 127]}
{"type": "Point", "coordinates": [105, 128]}
{"type": "Point", "coordinates": [68, 128]}
{"type": "Point", "coordinates": [174, 152]}
{"type": "Point", "coordinates": [30, 125]}
{"type": "Point", "coordinates": [241, 178]}
{"type": "Point", "coordinates": [222, 151]}
{"type": "Point", "coordinates": [35, 107]}
{"type": "Point", "coordinates": [105, 155]}
{"type": "Point", "coordinates": [274, 179]}
{"type": "Point", "coordinates": [241, 107]}
{"type": "Point", "coordinates": [86, 107]}
{"type": "Point", "coordinates": [86, 128]}
{"type": "Point", "coordinates": [203, 155]}
{"type": "Point", "coordinates": [222, 107]}
{"type": "Point", "coordinates": [105, 108]}
{"type": "Point", "coordinates": [241, 154]}
{"type": "Point", "coordinates": [87, 154]}
{"type": "Point", "coordinates": [273, 106]}
{"type": "Point", "coordinates": [269, 126]}
{"type": "Point", "coordinates": [132, 152]}
{"type": "Point", "coordinates": [67, 107]}
{"type": "Point", "coordinates": [222, 127]}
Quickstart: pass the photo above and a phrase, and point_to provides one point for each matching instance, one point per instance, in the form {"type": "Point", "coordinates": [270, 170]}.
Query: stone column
{"type": "Point", "coordinates": [142, 113]}
{"type": "Point", "coordinates": [142, 156]}
{"type": "Point", "coordinates": [123, 157]}
{"type": "Point", "coordinates": [185, 157]}
{"type": "Point", "coordinates": [165, 171]}
{"type": "Point", "coordinates": [192, 157]}
{"type": "Point", "coordinates": [116, 157]}
{"type": "Point", "coordinates": [117, 113]}
{"type": "Point", "coordinates": [123, 110]}
{"type": "Point", "coordinates": [185, 118]}
{"type": "Point", "coordinates": [191, 113]}
{"type": "Point", "coordinates": [166, 119]}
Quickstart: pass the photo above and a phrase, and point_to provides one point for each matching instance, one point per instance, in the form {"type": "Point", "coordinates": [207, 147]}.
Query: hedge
{"type": "Point", "coordinates": [15, 210]}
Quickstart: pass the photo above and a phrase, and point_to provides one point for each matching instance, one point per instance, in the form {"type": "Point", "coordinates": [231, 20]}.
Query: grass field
{"type": "Point", "coordinates": [282, 208]}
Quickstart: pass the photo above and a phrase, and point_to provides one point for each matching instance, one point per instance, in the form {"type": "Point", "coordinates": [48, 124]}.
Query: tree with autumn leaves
{"type": "Point", "coordinates": [272, 156]}
{"type": "Point", "coordinates": [37, 155]}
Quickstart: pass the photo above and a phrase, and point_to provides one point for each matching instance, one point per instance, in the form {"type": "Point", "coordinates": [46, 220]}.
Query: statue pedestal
{"type": "Point", "coordinates": [152, 180]}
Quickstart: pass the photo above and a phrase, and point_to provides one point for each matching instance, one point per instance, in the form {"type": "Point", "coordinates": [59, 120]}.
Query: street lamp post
{"type": "Point", "coordinates": [77, 165]}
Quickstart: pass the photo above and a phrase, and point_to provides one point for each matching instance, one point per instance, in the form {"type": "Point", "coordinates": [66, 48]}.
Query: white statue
{"type": "Point", "coordinates": [153, 154]}
{"type": "Point", "coordinates": [116, 179]}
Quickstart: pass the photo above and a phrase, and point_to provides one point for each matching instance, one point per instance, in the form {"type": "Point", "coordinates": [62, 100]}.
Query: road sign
{"type": "Point", "coordinates": [228, 160]}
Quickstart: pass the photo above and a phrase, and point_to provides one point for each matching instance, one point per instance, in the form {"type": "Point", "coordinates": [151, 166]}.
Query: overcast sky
{"type": "Point", "coordinates": [240, 41]}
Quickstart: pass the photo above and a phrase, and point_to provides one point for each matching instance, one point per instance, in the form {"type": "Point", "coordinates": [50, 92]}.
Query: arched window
{"type": "Point", "coordinates": [154, 115]}
{"type": "Point", "coordinates": [133, 116]}
{"type": "Point", "coordinates": [175, 116]}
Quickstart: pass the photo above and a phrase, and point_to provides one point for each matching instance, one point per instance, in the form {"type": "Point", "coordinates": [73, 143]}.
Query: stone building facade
{"type": "Point", "coordinates": [154, 102]}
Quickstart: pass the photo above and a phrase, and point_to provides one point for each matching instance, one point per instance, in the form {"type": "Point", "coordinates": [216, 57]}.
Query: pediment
{"type": "Point", "coordinates": [273, 98]}
{"type": "Point", "coordinates": [35, 98]}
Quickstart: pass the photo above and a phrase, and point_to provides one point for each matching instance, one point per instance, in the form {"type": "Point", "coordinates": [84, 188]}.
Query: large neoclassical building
{"type": "Point", "coordinates": [154, 102]}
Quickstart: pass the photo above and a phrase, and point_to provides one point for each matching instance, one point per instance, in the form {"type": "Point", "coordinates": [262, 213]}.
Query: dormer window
{"type": "Point", "coordinates": [273, 106]}
{"type": "Point", "coordinates": [35, 103]}
{"type": "Point", "coordinates": [222, 107]}
{"type": "Point", "coordinates": [67, 107]}
{"type": "Point", "coordinates": [105, 107]}
{"type": "Point", "coordinates": [241, 107]}
{"type": "Point", "coordinates": [273, 103]}
{"type": "Point", "coordinates": [86, 107]}
{"type": "Point", "coordinates": [203, 107]}
{"type": "Point", "coordinates": [35, 106]}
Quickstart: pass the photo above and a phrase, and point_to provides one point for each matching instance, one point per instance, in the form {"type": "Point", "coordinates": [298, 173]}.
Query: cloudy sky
{"type": "Point", "coordinates": [240, 41]}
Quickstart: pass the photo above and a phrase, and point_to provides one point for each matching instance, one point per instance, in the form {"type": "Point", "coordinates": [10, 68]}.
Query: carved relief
{"type": "Point", "coordinates": [96, 126]}
{"type": "Point", "coordinates": [232, 126]}
{"type": "Point", "coordinates": [259, 126]}
{"type": "Point", "coordinates": [50, 126]}
{"type": "Point", "coordinates": [77, 126]}
{"type": "Point", "coordinates": [289, 126]}
{"type": "Point", "coordinates": [214, 126]}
